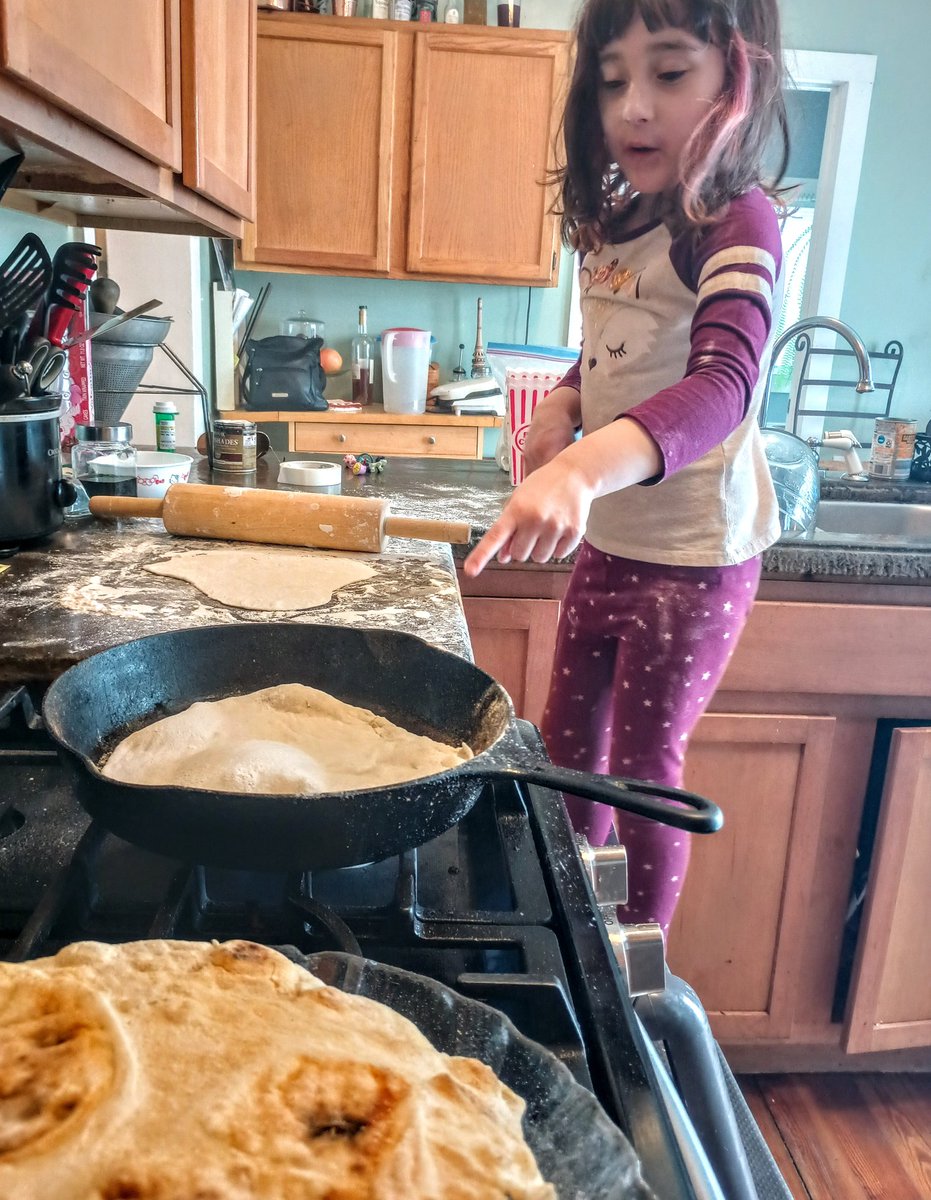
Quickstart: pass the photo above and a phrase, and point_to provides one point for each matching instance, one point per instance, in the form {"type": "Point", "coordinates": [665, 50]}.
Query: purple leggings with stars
{"type": "Point", "coordinates": [640, 650]}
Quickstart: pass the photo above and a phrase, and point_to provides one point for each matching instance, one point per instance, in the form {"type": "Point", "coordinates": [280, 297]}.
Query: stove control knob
{"type": "Point", "coordinates": [607, 871]}
{"type": "Point", "coordinates": [644, 957]}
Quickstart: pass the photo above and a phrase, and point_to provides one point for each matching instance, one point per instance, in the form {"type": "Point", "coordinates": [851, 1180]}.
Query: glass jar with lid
{"type": "Point", "coordinates": [104, 459]}
{"type": "Point", "coordinates": [302, 326]}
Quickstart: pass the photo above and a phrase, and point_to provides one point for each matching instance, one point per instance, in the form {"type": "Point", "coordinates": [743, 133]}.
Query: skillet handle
{"type": "Point", "coordinates": [671, 806]}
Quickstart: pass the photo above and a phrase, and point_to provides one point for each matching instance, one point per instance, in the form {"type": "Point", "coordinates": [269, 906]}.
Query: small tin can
{"type": "Point", "coordinates": [893, 448]}
{"type": "Point", "coordinates": [234, 446]}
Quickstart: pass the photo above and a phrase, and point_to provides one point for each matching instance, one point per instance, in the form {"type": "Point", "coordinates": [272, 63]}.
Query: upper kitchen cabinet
{"type": "Point", "coordinates": [327, 119]}
{"type": "Point", "coordinates": [407, 151]}
{"type": "Point", "coordinates": [485, 122]}
{"type": "Point", "coordinates": [218, 101]}
{"type": "Point", "coordinates": [113, 64]}
{"type": "Point", "coordinates": [131, 116]}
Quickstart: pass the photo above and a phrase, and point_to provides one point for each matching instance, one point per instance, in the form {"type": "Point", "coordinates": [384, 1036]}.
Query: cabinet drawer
{"type": "Point", "coordinates": [414, 441]}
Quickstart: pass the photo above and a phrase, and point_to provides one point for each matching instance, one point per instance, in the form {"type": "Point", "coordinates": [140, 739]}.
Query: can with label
{"type": "Point", "coordinates": [893, 447]}
{"type": "Point", "coordinates": [234, 446]}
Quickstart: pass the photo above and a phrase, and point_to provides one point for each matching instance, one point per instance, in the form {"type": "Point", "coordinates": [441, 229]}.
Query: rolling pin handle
{"type": "Point", "coordinates": [126, 506]}
{"type": "Point", "coordinates": [457, 532]}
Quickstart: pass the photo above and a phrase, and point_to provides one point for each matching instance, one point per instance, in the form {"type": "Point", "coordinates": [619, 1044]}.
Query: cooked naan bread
{"type": "Point", "coordinates": [169, 1070]}
{"type": "Point", "coordinates": [290, 739]}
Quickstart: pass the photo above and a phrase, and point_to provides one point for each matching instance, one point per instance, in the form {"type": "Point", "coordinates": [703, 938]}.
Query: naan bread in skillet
{"type": "Point", "coordinates": [290, 739]}
{"type": "Point", "coordinates": [171, 1070]}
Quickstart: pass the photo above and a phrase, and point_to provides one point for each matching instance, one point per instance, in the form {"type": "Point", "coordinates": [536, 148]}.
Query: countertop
{"type": "Point", "coordinates": [477, 491]}
{"type": "Point", "coordinates": [84, 589]}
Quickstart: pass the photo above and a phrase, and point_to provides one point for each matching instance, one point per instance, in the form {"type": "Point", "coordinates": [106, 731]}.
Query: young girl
{"type": "Point", "coordinates": [671, 106]}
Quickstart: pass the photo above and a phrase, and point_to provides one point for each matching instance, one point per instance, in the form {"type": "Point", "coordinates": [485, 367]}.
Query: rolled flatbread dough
{"type": "Point", "coordinates": [164, 1070]}
{"type": "Point", "coordinates": [264, 580]}
{"type": "Point", "coordinates": [287, 740]}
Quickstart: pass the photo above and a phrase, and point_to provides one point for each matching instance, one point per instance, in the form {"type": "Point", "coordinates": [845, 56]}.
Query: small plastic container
{"type": "Point", "coordinates": [166, 412]}
{"type": "Point", "coordinates": [104, 459]}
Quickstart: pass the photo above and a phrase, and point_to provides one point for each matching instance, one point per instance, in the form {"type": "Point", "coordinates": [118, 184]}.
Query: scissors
{"type": "Point", "coordinates": [41, 363]}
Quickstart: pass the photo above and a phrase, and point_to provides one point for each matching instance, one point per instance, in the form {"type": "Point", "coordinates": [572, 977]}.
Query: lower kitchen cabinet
{"type": "Point", "coordinates": [739, 930]}
{"type": "Point", "coordinates": [890, 1003]}
{"type": "Point", "coordinates": [764, 930]}
{"type": "Point", "coordinates": [514, 641]}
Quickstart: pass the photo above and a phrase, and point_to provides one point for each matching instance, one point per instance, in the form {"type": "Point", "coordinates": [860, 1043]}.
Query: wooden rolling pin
{"type": "Point", "coordinates": [279, 518]}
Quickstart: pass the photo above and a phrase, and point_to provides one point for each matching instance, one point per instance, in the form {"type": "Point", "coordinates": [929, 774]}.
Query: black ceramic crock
{"type": "Point", "coordinates": [33, 495]}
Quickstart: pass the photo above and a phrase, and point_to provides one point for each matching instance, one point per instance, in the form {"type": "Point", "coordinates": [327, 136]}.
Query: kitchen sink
{"type": "Point", "coordinates": [863, 521]}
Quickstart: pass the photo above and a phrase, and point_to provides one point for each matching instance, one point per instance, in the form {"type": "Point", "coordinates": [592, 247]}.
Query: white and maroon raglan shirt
{"type": "Point", "coordinates": [677, 335]}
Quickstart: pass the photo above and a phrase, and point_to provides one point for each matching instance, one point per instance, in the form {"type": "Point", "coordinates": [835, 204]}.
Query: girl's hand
{"type": "Point", "coordinates": [544, 518]}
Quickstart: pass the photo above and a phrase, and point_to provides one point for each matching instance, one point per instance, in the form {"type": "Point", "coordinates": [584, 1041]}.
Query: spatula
{"type": "Point", "coordinates": [73, 267]}
{"type": "Point", "coordinates": [24, 277]}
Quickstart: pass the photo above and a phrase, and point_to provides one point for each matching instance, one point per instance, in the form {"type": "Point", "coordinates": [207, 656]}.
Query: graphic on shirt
{"type": "Point", "coordinates": [614, 334]}
{"type": "Point", "coordinates": [611, 275]}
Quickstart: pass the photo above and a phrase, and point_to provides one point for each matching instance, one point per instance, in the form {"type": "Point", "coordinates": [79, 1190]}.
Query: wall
{"type": "Point", "coordinates": [888, 287]}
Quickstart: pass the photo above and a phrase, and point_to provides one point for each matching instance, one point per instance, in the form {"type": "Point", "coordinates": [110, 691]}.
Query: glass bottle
{"type": "Point", "coordinates": [363, 362]}
{"type": "Point", "coordinates": [104, 459]}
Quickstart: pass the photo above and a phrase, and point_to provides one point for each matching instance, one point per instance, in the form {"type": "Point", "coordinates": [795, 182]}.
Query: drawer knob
{"type": "Point", "coordinates": [431, 440]}
{"type": "Point", "coordinates": [341, 437]}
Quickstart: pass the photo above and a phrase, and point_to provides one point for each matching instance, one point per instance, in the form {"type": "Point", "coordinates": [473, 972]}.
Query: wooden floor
{"type": "Point", "coordinates": [847, 1137]}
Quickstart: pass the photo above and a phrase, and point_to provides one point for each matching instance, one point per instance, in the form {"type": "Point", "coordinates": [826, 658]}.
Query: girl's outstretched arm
{"type": "Point", "coordinates": [546, 515]}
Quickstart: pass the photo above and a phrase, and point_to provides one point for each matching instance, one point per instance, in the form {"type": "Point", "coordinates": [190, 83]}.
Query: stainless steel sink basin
{"type": "Point", "coordinates": [861, 521]}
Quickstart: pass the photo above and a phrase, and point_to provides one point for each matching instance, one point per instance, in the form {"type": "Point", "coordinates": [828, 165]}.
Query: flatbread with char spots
{"type": "Point", "coordinates": [171, 1070]}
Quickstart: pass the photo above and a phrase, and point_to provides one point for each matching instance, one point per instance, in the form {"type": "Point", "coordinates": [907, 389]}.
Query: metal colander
{"type": "Point", "coordinates": [119, 359]}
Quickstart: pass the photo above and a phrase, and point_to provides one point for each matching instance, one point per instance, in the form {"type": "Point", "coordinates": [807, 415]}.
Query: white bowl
{"type": "Point", "coordinates": [157, 470]}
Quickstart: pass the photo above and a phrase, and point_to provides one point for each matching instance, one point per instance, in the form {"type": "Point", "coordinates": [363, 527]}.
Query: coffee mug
{"type": "Point", "coordinates": [921, 462]}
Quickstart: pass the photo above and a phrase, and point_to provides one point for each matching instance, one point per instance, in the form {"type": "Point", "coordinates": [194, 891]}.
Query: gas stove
{"type": "Point", "coordinates": [500, 907]}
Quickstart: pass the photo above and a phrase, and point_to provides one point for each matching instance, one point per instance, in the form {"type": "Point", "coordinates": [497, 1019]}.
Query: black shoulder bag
{"type": "Point", "coordinates": [284, 373]}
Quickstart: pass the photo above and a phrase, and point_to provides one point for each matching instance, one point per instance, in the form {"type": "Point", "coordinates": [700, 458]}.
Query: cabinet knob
{"type": "Point", "coordinates": [431, 440]}
{"type": "Point", "coordinates": [341, 437]}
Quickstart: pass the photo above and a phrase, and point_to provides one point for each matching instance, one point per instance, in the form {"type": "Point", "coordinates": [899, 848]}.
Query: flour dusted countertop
{"type": "Point", "coordinates": [477, 491]}
{"type": "Point", "coordinates": [86, 589]}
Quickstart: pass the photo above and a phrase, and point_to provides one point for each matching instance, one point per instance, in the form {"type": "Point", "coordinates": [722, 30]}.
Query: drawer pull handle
{"type": "Point", "coordinates": [341, 437]}
{"type": "Point", "coordinates": [431, 440]}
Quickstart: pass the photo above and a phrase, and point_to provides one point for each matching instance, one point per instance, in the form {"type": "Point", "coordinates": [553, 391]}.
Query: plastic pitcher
{"type": "Point", "coordinates": [405, 361]}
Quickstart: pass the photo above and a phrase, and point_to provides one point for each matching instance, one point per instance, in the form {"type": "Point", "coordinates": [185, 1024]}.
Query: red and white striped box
{"type": "Point", "coordinates": [525, 390]}
{"type": "Point", "coordinates": [77, 383]}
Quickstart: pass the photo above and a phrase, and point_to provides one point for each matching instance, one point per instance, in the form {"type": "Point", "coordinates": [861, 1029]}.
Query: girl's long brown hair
{"type": "Point", "coordinates": [724, 157]}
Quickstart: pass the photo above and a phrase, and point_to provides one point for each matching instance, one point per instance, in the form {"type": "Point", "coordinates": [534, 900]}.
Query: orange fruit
{"type": "Point", "coordinates": [331, 360]}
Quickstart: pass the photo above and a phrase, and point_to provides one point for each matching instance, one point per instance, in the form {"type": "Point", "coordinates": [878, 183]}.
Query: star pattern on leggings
{"type": "Point", "coordinates": [659, 645]}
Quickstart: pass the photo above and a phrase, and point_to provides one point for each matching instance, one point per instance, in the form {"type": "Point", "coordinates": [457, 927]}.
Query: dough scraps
{"type": "Point", "coordinates": [168, 1069]}
{"type": "Point", "coordinates": [265, 580]}
{"type": "Point", "coordinates": [287, 740]}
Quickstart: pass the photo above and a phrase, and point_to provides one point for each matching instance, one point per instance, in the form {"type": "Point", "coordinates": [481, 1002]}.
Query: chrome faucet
{"type": "Point", "coordinates": [865, 382]}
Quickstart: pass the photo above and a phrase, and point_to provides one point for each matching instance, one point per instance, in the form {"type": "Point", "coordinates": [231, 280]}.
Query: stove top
{"type": "Point", "coordinates": [498, 907]}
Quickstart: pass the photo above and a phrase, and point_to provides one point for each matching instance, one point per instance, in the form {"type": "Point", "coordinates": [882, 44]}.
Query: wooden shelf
{"type": "Point", "coordinates": [374, 431]}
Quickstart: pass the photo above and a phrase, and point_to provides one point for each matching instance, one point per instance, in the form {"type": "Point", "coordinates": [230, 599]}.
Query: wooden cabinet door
{"type": "Point", "coordinates": [737, 936]}
{"type": "Point", "coordinates": [485, 116]}
{"type": "Point", "coordinates": [115, 64]}
{"type": "Point", "coordinates": [890, 1004]}
{"type": "Point", "coordinates": [514, 641]}
{"type": "Point", "coordinates": [325, 132]}
{"type": "Point", "coordinates": [218, 101]}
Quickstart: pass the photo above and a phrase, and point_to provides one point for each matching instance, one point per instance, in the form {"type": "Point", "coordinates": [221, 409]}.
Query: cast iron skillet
{"type": "Point", "coordinates": [94, 705]}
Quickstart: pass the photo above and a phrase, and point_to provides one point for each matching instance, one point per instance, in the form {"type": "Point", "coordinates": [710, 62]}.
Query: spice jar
{"type": "Point", "coordinates": [103, 459]}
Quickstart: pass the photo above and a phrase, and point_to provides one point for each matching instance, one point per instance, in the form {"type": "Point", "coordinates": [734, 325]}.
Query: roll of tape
{"type": "Point", "coordinates": [309, 474]}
